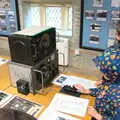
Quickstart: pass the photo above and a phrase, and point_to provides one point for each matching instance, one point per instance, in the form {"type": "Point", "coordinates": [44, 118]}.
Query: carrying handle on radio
{"type": "Point", "coordinates": [35, 50]}
{"type": "Point", "coordinates": [38, 71]}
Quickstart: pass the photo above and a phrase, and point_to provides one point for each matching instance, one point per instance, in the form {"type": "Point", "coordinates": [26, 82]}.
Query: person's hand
{"type": "Point", "coordinates": [97, 83]}
{"type": "Point", "coordinates": [81, 89]}
{"type": "Point", "coordinates": [93, 113]}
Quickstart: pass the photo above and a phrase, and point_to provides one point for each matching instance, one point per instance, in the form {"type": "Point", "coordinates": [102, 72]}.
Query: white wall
{"type": "Point", "coordinates": [4, 43]}
{"type": "Point", "coordinates": [76, 26]}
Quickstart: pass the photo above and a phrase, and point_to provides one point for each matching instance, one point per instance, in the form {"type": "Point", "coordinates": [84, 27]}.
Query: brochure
{"type": "Point", "coordinates": [69, 104]}
{"type": "Point", "coordinates": [51, 114]}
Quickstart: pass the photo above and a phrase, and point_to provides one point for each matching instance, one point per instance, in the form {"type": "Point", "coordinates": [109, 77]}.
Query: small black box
{"type": "Point", "coordinates": [23, 86]}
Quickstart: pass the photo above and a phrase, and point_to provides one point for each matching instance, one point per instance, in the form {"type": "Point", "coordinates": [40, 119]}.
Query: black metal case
{"type": "Point", "coordinates": [32, 45]}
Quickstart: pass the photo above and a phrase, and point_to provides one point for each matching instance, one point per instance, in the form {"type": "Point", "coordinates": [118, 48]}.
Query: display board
{"type": "Point", "coordinates": [99, 18]}
{"type": "Point", "coordinates": [9, 18]}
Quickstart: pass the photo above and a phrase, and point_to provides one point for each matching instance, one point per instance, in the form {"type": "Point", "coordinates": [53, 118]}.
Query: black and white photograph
{"type": "Point", "coordinates": [115, 3]}
{"type": "Point", "coordinates": [97, 3]}
{"type": "Point", "coordinates": [116, 15]}
{"type": "Point", "coordinates": [11, 14]}
{"type": "Point", "coordinates": [94, 27]}
{"type": "Point", "coordinates": [95, 39]}
{"type": "Point", "coordinates": [5, 4]}
{"type": "Point", "coordinates": [12, 25]}
{"type": "Point", "coordinates": [101, 15]}
{"type": "Point", "coordinates": [89, 14]}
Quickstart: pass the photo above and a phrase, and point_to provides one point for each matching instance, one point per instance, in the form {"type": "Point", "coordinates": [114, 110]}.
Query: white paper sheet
{"type": "Point", "coordinates": [115, 3]}
{"type": "Point", "coordinates": [78, 80]}
{"type": "Point", "coordinates": [51, 114]}
{"type": "Point", "coordinates": [98, 3]}
{"type": "Point", "coordinates": [2, 61]}
{"type": "Point", "coordinates": [69, 104]}
{"type": "Point", "coordinates": [60, 79]}
{"type": "Point", "coordinates": [5, 98]}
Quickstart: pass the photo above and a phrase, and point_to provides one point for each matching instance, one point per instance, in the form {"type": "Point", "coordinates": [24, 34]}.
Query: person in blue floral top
{"type": "Point", "coordinates": [107, 93]}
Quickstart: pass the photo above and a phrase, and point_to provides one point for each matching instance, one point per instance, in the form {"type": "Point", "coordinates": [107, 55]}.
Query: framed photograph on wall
{"type": "Point", "coordinates": [9, 17]}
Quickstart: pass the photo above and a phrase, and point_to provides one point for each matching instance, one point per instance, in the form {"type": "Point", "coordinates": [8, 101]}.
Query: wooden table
{"type": "Point", "coordinates": [42, 99]}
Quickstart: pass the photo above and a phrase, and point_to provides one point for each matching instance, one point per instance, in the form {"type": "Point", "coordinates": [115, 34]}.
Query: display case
{"type": "Point", "coordinates": [9, 17]}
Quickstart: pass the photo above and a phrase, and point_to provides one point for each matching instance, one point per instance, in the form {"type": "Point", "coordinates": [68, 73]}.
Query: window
{"type": "Point", "coordinates": [53, 17]}
{"type": "Point", "coordinates": [59, 16]}
{"type": "Point", "coordinates": [31, 15]}
{"type": "Point", "coordinates": [70, 19]}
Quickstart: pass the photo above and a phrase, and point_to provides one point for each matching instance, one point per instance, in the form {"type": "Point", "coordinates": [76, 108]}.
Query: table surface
{"type": "Point", "coordinates": [42, 99]}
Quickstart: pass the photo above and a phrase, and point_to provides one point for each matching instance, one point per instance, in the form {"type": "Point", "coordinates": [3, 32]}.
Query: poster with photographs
{"type": "Point", "coordinates": [101, 15]}
{"type": "Point", "coordinates": [89, 14]}
{"type": "Point", "coordinates": [97, 3]}
{"type": "Point", "coordinates": [94, 27]}
{"type": "Point", "coordinates": [100, 19]}
{"type": "Point", "coordinates": [115, 3]}
{"type": "Point", "coordinates": [95, 39]}
{"type": "Point", "coordinates": [116, 15]}
{"type": "Point", "coordinates": [9, 22]}
{"type": "Point", "coordinates": [24, 105]}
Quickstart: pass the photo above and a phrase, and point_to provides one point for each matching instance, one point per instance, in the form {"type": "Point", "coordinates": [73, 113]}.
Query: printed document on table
{"type": "Point", "coordinates": [69, 104]}
{"type": "Point", "coordinates": [5, 98]}
{"type": "Point", "coordinates": [3, 61]}
{"type": "Point", "coordinates": [78, 80]}
{"type": "Point", "coordinates": [51, 114]}
{"type": "Point", "coordinates": [60, 79]}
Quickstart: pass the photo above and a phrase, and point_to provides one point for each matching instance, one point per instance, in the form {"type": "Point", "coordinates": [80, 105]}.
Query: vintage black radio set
{"type": "Point", "coordinates": [34, 58]}
{"type": "Point", "coordinates": [30, 46]}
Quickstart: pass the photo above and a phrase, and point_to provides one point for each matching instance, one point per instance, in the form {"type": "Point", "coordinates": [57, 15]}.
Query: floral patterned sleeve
{"type": "Point", "coordinates": [114, 102]}
{"type": "Point", "coordinates": [115, 116]}
{"type": "Point", "coordinates": [94, 91]}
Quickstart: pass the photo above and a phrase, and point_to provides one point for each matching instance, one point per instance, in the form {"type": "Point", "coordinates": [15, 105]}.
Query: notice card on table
{"type": "Point", "coordinates": [69, 104]}
{"type": "Point", "coordinates": [4, 98]}
{"type": "Point", "coordinates": [51, 114]}
{"type": "Point", "coordinates": [78, 80]}
{"type": "Point", "coordinates": [3, 61]}
{"type": "Point", "coordinates": [60, 80]}
{"type": "Point", "coordinates": [63, 80]}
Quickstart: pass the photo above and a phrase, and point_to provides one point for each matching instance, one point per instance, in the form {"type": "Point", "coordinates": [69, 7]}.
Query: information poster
{"type": "Point", "coordinates": [99, 23]}
{"type": "Point", "coordinates": [8, 17]}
